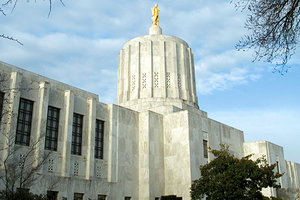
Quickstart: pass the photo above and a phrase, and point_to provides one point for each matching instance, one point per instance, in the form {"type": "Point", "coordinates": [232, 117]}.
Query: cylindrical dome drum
{"type": "Point", "coordinates": [156, 70]}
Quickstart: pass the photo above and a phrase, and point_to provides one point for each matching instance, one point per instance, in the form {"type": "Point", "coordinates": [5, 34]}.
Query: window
{"type": "Point", "coordinates": [24, 122]}
{"type": "Point", "coordinates": [78, 196]}
{"type": "Point", "coordinates": [1, 104]}
{"type": "Point", "coordinates": [205, 149]}
{"type": "Point", "coordinates": [127, 198]}
{"type": "Point", "coordinates": [52, 195]}
{"type": "Point", "coordinates": [52, 128]}
{"type": "Point", "coordinates": [99, 137]}
{"type": "Point", "coordinates": [77, 134]}
{"type": "Point", "coordinates": [277, 165]}
{"type": "Point", "coordinates": [101, 197]}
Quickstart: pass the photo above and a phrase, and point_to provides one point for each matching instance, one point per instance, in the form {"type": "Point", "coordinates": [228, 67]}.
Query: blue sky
{"type": "Point", "coordinates": [79, 45]}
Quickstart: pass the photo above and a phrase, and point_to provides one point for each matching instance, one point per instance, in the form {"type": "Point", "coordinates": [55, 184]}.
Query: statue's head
{"type": "Point", "coordinates": [156, 5]}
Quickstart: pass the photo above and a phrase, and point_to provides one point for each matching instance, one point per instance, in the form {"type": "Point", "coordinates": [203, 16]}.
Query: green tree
{"type": "Point", "coordinates": [230, 178]}
{"type": "Point", "coordinates": [273, 29]}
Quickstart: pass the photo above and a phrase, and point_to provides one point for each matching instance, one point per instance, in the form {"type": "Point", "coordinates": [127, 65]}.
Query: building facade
{"type": "Point", "coordinates": [150, 144]}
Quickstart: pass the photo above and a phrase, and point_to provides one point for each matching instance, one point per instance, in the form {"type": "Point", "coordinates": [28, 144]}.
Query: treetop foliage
{"type": "Point", "coordinates": [229, 178]}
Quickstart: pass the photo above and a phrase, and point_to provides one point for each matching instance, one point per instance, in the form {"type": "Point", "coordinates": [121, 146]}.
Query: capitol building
{"type": "Point", "coordinates": [148, 145]}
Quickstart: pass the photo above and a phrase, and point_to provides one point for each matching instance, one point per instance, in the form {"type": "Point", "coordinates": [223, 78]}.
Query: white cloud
{"type": "Point", "coordinates": [225, 70]}
{"type": "Point", "coordinates": [79, 61]}
{"type": "Point", "coordinates": [91, 33]}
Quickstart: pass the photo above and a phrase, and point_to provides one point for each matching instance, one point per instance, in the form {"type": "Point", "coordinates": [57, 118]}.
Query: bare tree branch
{"type": "Point", "coordinates": [2, 11]}
{"type": "Point", "coordinates": [274, 29]}
{"type": "Point", "coordinates": [50, 8]}
{"type": "Point", "coordinates": [10, 38]}
{"type": "Point", "coordinates": [21, 164]}
{"type": "Point", "coordinates": [6, 2]}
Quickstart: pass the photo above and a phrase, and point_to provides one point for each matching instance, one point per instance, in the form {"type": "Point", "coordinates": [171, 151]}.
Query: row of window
{"type": "Point", "coordinates": [79, 196]}
{"type": "Point", "coordinates": [53, 195]}
{"type": "Point", "coordinates": [51, 137]}
{"type": "Point", "coordinates": [24, 127]}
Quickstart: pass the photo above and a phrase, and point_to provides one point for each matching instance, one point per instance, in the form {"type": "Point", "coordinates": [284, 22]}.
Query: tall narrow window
{"type": "Point", "coordinates": [1, 104]}
{"type": "Point", "coordinates": [52, 128]}
{"type": "Point", "coordinates": [99, 138]}
{"type": "Point", "coordinates": [205, 149]}
{"type": "Point", "coordinates": [277, 165]}
{"type": "Point", "coordinates": [77, 134]}
{"type": "Point", "coordinates": [24, 122]}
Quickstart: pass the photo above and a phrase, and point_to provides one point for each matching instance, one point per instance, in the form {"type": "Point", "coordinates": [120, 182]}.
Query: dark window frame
{"type": "Point", "coordinates": [78, 196]}
{"type": "Point", "coordinates": [2, 94]}
{"type": "Point", "coordinates": [102, 197]}
{"type": "Point", "coordinates": [77, 134]}
{"type": "Point", "coordinates": [277, 166]}
{"type": "Point", "coordinates": [52, 195]}
{"type": "Point", "coordinates": [99, 139]}
{"type": "Point", "coordinates": [51, 137]}
{"type": "Point", "coordinates": [24, 122]}
{"type": "Point", "coordinates": [205, 148]}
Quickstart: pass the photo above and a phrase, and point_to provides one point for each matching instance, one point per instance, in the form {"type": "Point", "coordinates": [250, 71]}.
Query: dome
{"type": "Point", "coordinates": [156, 70]}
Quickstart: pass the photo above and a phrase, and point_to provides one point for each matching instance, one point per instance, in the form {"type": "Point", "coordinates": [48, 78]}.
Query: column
{"type": "Point", "coordinates": [10, 112]}
{"type": "Point", "coordinates": [112, 159]}
{"type": "Point", "coordinates": [144, 151]}
{"type": "Point", "coordinates": [67, 132]}
{"type": "Point", "coordinates": [39, 131]}
{"type": "Point", "coordinates": [90, 137]}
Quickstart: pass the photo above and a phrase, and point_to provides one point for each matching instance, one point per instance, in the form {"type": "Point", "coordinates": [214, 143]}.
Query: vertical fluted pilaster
{"type": "Point", "coordinates": [9, 114]}
{"type": "Point", "coordinates": [156, 68]}
{"type": "Point", "coordinates": [67, 132]}
{"type": "Point", "coordinates": [90, 138]}
{"type": "Point", "coordinates": [41, 121]}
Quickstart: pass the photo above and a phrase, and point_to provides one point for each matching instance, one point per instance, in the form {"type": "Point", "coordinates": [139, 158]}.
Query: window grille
{"type": "Point", "coordinates": [52, 128]}
{"type": "Point", "coordinates": [77, 134]}
{"type": "Point", "coordinates": [101, 197]}
{"type": "Point", "coordinates": [78, 196]}
{"type": "Point", "coordinates": [205, 149]}
{"type": "Point", "coordinates": [99, 139]}
{"type": "Point", "coordinates": [24, 122]}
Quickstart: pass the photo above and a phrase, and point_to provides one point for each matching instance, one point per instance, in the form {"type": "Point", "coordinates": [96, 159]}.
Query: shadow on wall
{"type": "Point", "coordinates": [170, 197]}
{"type": "Point", "coordinates": [288, 193]}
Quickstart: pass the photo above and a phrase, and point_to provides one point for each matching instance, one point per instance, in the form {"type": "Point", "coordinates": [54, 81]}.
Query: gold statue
{"type": "Point", "coordinates": [155, 16]}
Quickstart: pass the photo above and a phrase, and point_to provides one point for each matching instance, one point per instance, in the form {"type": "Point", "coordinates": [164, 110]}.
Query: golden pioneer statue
{"type": "Point", "coordinates": [155, 16]}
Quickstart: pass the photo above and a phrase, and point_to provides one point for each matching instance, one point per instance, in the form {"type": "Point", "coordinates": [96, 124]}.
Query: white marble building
{"type": "Point", "coordinates": [150, 144]}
